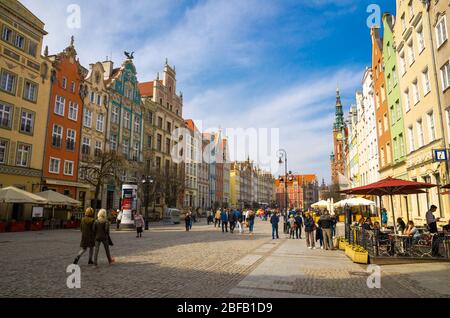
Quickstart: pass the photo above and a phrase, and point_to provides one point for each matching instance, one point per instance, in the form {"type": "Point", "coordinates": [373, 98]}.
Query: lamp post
{"type": "Point", "coordinates": [146, 181]}
{"type": "Point", "coordinates": [282, 154]}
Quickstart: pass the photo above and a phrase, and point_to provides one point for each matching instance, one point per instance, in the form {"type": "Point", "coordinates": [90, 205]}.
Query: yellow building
{"type": "Point", "coordinates": [24, 99]}
{"type": "Point", "coordinates": [235, 188]}
{"type": "Point", "coordinates": [419, 87]}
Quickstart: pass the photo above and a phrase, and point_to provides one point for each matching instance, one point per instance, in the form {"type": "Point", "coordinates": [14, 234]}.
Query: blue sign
{"type": "Point", "coordinates": [440, 155]}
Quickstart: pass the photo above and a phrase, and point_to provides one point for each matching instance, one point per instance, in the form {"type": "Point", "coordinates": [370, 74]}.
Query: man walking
{"type": "Point", "coordinates": [224, 220]}
{"type": "Point", "coordinates": [232, 220]}
{"type": "Point", "coordinates": [325, 223]}
{"type": "Point", "coordinates": [274, 220]}
{"type": "Point", "coordinates": [238, 220]}
{"type": "Point", "coordinates": [299, 223]}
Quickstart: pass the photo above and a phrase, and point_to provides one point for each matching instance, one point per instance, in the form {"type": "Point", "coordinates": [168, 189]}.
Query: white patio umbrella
{"type": "Point", "coordinates": [54, 198]}
{"type": "Point", "coordinates": [354, 202]}
{"type": "Point", "coordinates": [320, 204]}
{"type": "Point", "coordinates": [15, 195]}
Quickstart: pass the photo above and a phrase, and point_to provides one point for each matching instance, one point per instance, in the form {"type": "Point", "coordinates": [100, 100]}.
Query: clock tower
{"type": "Point", "coordinates": [340, 134]}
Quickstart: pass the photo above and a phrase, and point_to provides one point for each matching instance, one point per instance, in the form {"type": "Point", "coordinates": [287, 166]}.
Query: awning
{"type": "Point", "coordinates": [67, 183]}
{"type": "Point", "coordinates": [16, 195]}
{"type": "Point", "coordinates": [55, 198]}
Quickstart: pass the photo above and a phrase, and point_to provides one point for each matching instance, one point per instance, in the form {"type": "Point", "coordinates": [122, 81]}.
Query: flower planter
{"type": "Point", "coordinates": [16, 227]}
{"type": "Point", "coordinates": [342, 245]}
{"type": "Point", "coordinates": [360, 257]}
{"type": "Point", "coordinates": [2, 227]}
{"type": "Point", "coordinates": [37, 226]}
{"type": "Point", "coordinates": [349, 252]}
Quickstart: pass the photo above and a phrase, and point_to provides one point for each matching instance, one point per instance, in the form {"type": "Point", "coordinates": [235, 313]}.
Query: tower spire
{"type": "Point", "coordinates": [339, 117]}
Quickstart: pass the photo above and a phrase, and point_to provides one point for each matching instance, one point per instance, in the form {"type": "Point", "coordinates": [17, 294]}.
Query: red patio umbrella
{"type": "Point", "coordinates": [447, 186]}
{"type": "Point", "coordinates": [390, 186]}
{"type": "Point", "coordinates": [444, 193]}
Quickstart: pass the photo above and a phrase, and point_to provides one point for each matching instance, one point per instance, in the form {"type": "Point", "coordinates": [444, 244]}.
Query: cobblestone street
{"type": "Point", "coordinates": [169, 262]}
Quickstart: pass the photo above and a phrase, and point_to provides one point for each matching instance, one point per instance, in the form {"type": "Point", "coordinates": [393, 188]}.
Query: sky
{"type": "Point", "coordinates": [239, 63]}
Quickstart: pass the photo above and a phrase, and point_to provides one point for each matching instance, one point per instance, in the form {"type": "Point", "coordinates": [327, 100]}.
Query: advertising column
{"type": "Point", "coordinates": [129, 204]}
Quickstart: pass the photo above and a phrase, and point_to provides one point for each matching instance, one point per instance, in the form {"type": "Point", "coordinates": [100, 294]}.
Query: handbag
{"type": "Point", "coordinates": [110, 242]}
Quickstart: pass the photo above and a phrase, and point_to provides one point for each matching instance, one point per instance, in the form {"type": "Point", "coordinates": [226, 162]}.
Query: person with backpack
{"type": "Point", "coordinates": [251, 221]}
{"type": "Point", "coordinates": [238, 220]}
{"type": "Point", "coordinates": [274, 220]}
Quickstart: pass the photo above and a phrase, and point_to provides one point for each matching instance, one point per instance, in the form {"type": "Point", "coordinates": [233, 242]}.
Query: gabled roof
{"type": "Point", "coordinates": [146, 89]}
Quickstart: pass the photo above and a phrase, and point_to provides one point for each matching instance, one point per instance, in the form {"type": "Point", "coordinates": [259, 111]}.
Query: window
{"type": "Point", "coordinates": [150, 118]}
{"type": "Point", "coordinates": [403, 22]}
{"type": "Point", "coordinates": [382, 157]}
{"type": "Point", "coordinates": [445, 74]}
{"type": "Point", "coordinates": [447, 113]}
{"type": "Point", "coordinates": [411, 139]}
{"type": "Point", "coordinates": [100, 122]}
{"type": "Point", "coordinates": [426, 82]}
{"type": "Point", "coordinates": [411, 56]}
{"type": "Point", "coordinates": [57, 136]}
{"type": "Point", "coordinates": [87, 118]}
{"type": "Point", "coordinates": [129, 92]}
{"type": "Point", "coordinates": [392, 109]}
{"type": "Point", "coordinates": [86, 146]}
{"type": "Point", "coordinates": [113, 142]}
{"type": "Point", "coordinates": [73, 111]}
{"type": "Point", "coordinates": [6, 34]}
{"type": "Point", "coordinates": [158, 163]}
{"type": "Point", "coordinates": [415, 91]}
{"type": "Point", "coordinates": [385, 122]}
{"type": "Point", "coordinates": [126, 120]}
{"type": "Point", "coordinates": [6, 112]}
{"type": "Point", "coordinates": [380, 129]}
{"type": "Point", "coordinates": [68, 168]}
{"type": "Point", "coordinates": [99, 99]}
{"type": "Point", "coordinates": [383, 93]}
{"type": "Point", "coordinates": [420, 137]}
{"type": "Point", "coordinates": [402, 145]}
{"type": "Point", "coordinates": [411, 10]}
{"type": "Point", "coordinates": [92, 98]}
{"type": "Point", "coordinates": [70, 139]}
{"type": "Point", "coordinates": [98, 148]}
{"type": "Point", "coordinates": [60, 103]}
{"type": "Point", "coordinates": [399, 109]}
{"type": "Point", "coordinates": [3, 151]}
{"type": "Point", "coordinates": [30, 91]}
{"type": "Point", "coordinates": [158, 142]}
{"type": "Point", "coordinates": [441, 31]}
{"type": "Point", "coordinates": [388, 152]}
{"type": "Point", "coordinates": [407, 100]}
{"type": "Point", "coordinates": [402, 63]}
{"type": "Point", "coordinates": [32, 48]}
{"type": "Point", "coordinates": [115, 115]}
{"type": "Point", "coordinates": [73, 87]}
{"type": "Point", "coordinates": [420, 39]}
{"type": "Point", "coordinates": [394, 75]}
{"type": "Point", "coordinates": [136, 151]}
{"type": "Point", "coordinates": [64, 82]}
{"type": "Point", "coordinates": [54, 165]}
{"type": "Point", "coordinates": [160, 122]}
{"type": "Point", "coordinates": [169, 127]}
{"type": "Point", "coordinates": [137, 124]}
{"type": "Point", "coordinates": [27, 122]}
{"type": "Point", "coordinates": [8, 82]}
{"type": "Point", "coordinates": [431, 127]}
{"type": "Point", "coordinates": [150, 141]}
{"type": "Point", "coordinates": [168, 145]}
{"type": "Point", "coordinates": [125, 146]}
{"type": "Point", "coordinates": [20, 41]}
{"type": "Point", "coordinates": [23, 155]}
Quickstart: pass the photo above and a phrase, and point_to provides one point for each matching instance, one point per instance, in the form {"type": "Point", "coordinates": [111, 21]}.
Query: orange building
{"type": "Point", "coordinates": [302, 191]}
{"type": "Point", "coordinates": [62, 144]}
{"type": "Point", "coordinates": [381, 105]}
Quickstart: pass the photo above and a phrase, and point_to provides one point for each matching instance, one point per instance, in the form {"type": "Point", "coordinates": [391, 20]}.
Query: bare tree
{"type": "Point", "coordinates": [105, 167]}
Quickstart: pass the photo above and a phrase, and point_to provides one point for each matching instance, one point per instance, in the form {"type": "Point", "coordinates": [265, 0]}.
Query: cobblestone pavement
{"type": "Point", "coordinates": [169, 262]}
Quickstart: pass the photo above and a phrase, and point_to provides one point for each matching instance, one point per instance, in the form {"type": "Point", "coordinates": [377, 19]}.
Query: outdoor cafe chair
{"type": "Point", "coordinates": [423, 247]}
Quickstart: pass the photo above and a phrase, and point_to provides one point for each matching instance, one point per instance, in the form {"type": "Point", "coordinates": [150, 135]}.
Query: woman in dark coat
{"type": "Point", "coordinates": [101, 229]}
{"type": "Point", "coordinates": [87, 236]}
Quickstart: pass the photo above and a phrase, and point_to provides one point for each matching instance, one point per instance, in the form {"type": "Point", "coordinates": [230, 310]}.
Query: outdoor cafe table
{"type": "Point", "coordinates": [401, 239]}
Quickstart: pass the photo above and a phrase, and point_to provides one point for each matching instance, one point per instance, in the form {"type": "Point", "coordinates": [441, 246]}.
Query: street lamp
{"type": "Point", "coordinates": [146, 181]}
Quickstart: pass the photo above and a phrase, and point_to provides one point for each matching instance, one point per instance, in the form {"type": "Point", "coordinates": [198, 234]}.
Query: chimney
{"type": "Point", "coordinates": [108, 66]}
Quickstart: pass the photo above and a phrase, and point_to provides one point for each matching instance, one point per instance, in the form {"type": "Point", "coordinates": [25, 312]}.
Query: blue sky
{"type": "Point", "coordinates": [240, 63]}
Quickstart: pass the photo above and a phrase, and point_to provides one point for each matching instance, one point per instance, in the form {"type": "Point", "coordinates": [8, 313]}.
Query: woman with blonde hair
{"type": "Point", "coordinates": [87, 236]}
{"type": "Point", "coordinates": [101, 230]}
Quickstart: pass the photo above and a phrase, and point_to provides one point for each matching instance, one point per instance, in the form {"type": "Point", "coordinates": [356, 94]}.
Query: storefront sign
{"type": "Point", "coordinates": [440, 155]}
{"type": "Point", "coordinates": [38, 212]}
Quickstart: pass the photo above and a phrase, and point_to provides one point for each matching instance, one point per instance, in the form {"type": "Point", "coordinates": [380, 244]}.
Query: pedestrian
{"type": "Point", "coordinates": [224, 220]}
{"type": "Point", "coordinates": [238, 219]}
{"type": "Point", "coordinates": [187, 221]}
{"type": "Point", "coordinates": [319, 236]}
{"type": "Point", "coordinates": [432, 227]}
{"type": "Point", "coordinates": [251, 221]}
{"type": "Point", "coordinates": [87, 236]}
{"type": "Point", "coordinates": [310, 227]}
{"type": "Point", "coordinates": [210, 217]}
{"type": "Point", "coordinates": [101, 230]}
{"type": "Point", "coordinates": [139, 223]}
{"type": "Point", "coordinates": [325, 225]}
{"type": "Point", "coordinates": [118, 219]}
{"type": "Point", "coordinates": [292, 227]}
{"type": "Point", "coordinates": [299, 223]}
{"type": "Point", "coordinates": [217, 218]}
{"type": "Point", "coordinates": [192, 217]}
{"type": "Point", "coordinates": [333, 225]}
{"type": "Point", "coordinates": [232, 220]}
{"type": "Point", "coordinates": [274, 220]}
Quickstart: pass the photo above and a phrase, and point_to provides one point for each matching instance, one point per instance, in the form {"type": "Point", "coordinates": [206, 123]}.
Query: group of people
{"type": "Point", "coordinates": [233, 219]}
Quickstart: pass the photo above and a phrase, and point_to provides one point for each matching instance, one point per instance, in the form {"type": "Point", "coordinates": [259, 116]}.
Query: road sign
{"type": "Point", "coordinates": [440, 155]}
